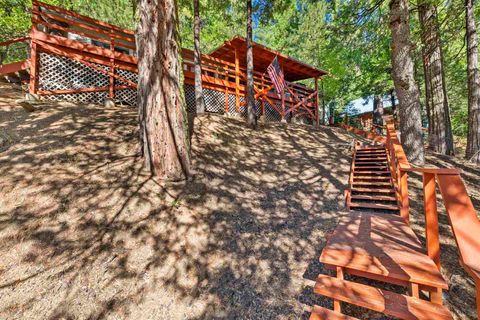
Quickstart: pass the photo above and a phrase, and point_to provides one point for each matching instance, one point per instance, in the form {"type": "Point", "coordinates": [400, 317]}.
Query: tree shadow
{"type": "Point", "coordinates": [86, 232]}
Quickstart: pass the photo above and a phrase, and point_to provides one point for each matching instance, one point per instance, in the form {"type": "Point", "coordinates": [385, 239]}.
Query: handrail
{"type": "Point", "coordinates": [9, 42]}
{"type": "Point", "coordinates": [462, 218]}
{"type": "Point", "coordinates": [398, 162]}
{"type": "Point", "coordinates": [461, 213]}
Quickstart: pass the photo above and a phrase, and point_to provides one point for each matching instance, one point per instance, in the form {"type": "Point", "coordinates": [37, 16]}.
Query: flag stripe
{"type": "Point", "coordinates": [276, 75]}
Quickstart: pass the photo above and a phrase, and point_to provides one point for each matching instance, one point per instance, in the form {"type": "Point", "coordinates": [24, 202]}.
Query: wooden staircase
{"type": "Point", "coordinates": [374, 242]}
{"type": "Point", "coordinates": [371, 185]}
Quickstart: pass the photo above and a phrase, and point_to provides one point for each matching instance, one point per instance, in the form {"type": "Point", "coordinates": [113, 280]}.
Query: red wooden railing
{"type": "Point", "coordinates": [17, 65]}
{"type": "Point", "coordinates": [92, 42]}
{"type": "Point", "coordinates": [461, 214]}
{"type": "Point", "coordinates": [398, 163]}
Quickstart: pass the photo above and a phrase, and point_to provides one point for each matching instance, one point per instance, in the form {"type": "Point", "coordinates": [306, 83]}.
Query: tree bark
{"type": "Point", "coordinates": [405, 84]}
{"type": "Point", "coordinates": [473, 137]}
{"type": "Point", "coordinates": [162, 114]}
{"type": "Point", "coordinates": [251, 114]}
{"type": "Point", "coordinates": [378, 113]}
{"type": "Point", "coordinates": [199, 99]}
{"type": "Point", "coordinates": [440, 128]}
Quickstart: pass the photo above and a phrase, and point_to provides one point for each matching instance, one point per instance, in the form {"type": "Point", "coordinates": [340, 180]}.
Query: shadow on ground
{"type": "Point", "coordinates": [86, 233]}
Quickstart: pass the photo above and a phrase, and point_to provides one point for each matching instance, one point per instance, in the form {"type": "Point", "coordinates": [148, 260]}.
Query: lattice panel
{"type": "Point", "coordinates": [79, 97]}
{"type": "Point", "coordinates": [57, 72]}
{"type": "Point", "coordinates": [214, 101]}
{"type": "Point", "coordinates": [127, 96]}
{"type": "Point", "coordinates": [271, 114]}
{"type": "Point", "coordinates": [189, 92]}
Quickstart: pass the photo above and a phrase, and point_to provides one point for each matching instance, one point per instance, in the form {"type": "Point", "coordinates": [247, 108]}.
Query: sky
{"type": "Point", "coordinates": [362, 105]}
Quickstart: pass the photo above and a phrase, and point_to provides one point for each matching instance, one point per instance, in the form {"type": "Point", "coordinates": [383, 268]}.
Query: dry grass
{"type": "Point", "coordinates": [86, 233]}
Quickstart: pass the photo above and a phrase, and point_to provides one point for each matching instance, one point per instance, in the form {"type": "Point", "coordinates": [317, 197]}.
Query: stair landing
{"type": "Point", "coordinates": [381, 247]}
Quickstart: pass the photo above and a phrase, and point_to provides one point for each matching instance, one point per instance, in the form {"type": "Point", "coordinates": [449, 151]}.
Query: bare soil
{"type": "Point", "coordinates": [87, 233]}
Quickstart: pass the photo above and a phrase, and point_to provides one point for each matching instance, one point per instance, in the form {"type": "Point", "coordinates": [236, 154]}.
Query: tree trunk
{"type": "Point", "coordinates": [199, 99]}
{"type": "Point", "coordinates": [405, 84]}
{"type": "Point", "coordinates": [473, 138]}
{"type": "Point", "coordinates": [251, 114]}
{"type": "Point", "coordinates": [440, 128]}
{"type": "Point", "coordinates": [323, 105]}
{"type": "Point", "coordinates": [378, 113]}
{"type": "Point", "coordinates": [162, 114]}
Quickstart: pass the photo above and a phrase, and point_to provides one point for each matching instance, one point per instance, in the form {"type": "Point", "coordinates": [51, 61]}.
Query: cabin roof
{"type": "Point", "coordinates": [293, 69]}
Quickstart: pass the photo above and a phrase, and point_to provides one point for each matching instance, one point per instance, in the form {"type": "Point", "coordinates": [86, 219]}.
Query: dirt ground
{"type": "Point", "coordinates": [86, 233]}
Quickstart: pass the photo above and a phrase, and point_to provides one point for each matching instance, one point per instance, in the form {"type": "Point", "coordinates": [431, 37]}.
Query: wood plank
{"type": "Point", "coordinates": [374, 178]}
{"type": "Point", "coordinates": [373, 198]}
{"type": "Point", "coordinates": [374, 206]}
{"type": "Point", "coordinates": [320, 313]}
{"type": "Point", "coordinates": [370, 183]}
{"type": "Point", "coordinates": [14, 67]}
{"type": "Point", "coordinates": [390, 303]}
{"type": "Point", "coordinates": [372, 162]}
{"type": "Point", "coordinates": [463, 220]}
{"type": "Point", "coordinates": [382, 245]}
{"type": "Point", "coordinates": [370, 172]}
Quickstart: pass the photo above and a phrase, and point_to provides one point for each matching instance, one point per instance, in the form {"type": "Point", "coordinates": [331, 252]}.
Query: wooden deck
{"type": "Point", "coordinates": [381, 247]}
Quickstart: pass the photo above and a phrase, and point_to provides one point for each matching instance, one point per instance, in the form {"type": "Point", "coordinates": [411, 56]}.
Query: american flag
{"type": "Point", "coordinates": [276, 74]}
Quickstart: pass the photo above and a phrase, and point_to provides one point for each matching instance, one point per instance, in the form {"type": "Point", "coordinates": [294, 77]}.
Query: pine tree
{"type": "Point", "coordinates": [440, 128]}
{"type": "Point", "coordinates": [162, 114]}
{"type": "Point", "coordinates": [473, 137]}
{"type": "Point", "coordinates": [251, 114]}
{"type": "Point", "coordinates": [199, 99]}
{"type": "Point", "coordinates": [405, 85]}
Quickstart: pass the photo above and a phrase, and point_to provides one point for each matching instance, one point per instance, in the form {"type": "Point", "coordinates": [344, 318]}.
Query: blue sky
{"type": "Point", "coordinates": [362, 105]}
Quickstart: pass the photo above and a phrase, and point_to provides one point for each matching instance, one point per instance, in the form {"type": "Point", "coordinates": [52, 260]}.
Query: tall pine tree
{"type": "Point", "coordinates": [162, 113]}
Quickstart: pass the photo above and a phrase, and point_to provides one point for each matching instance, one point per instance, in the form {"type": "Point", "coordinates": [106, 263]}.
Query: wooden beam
{"type": "Point", "coordinates": [237, 81]}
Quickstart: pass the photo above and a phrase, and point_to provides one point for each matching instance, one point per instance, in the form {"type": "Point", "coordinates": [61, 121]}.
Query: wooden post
{"type": "Point", "coordinates": [263, 101]}
{"type": "Point", "coordinates": [477, 284]}
{"type": "Point", "coordinates": [323, 104]}
{"type": "Point", "coordinates": [317, 111]}
{"type": "Point", "coordinates": [237, 80]}
{"type": "Point", "coordinates": [111, 92]}
{"type": "Point", "coordinates": [226, 99]}
{"type": "Point", "coordinates": [431, 218]}
{"type": "Point", "coordinates": [337, 306]}
{"type": "Point", "coordinates": [283, 106]}
{"type": "Point", "coordinates": [33, 53]}
{"type": "Point", "coordinates": [403, 185]}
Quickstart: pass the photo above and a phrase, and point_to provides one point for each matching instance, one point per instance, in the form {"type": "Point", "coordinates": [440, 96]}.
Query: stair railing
{"type": "Point", "coordinates": [398, 163]}
{"type": "Point", "coordinates": [462, 218]}
{"type": "Point", "coordinates": [461, 213]}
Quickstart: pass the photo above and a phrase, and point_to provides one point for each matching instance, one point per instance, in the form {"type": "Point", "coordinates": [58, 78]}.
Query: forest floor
{"type": "Point", "coordinates": [86, 233]}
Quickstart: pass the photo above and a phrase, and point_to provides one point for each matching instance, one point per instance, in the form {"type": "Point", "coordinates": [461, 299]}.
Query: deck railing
{"type": "Point", "coordinates": [16, 64]}
{"type": "Point", "coordinates": [92, 43]}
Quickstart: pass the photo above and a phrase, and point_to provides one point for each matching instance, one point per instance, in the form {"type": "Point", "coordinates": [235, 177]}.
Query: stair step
{"type": "Point", "coordinates": [390, 303]}
{"type": "Point", "coordinates": [370, 172]}
{"type": "Point", "coordinates": [372, 148]}
{"type": "Point", "coordinates": [374, 178]}
{"type": "Point", "coordinates": [369, 183]}
{"type": "Point", "coordinates": [371, 162]}
{"type": "Point", "coordinates": [372, 190]}
{"type": "Point", "coordinates": [373, 198]}
{"type": "Point", "coordinates": [320, 313]}
{"type": "Point", "coordinates": [371, 152]}
{"type": "Point", "coordinates": [371, 167]}
{"type": "Point", "coordinates": [358, 159]}
{"type": "Point", "coordinates": [373, 206]}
